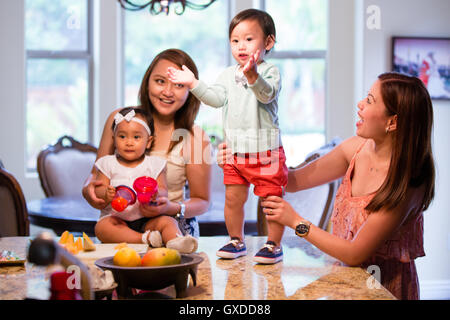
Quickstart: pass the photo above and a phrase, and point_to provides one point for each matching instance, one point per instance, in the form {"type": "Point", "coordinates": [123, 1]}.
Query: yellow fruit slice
{"type": "Point", "coordinates": [64, 237]}
{"type": "Point", "coordinates": [70, 239]}
{"type": "Point", "coordinates": [79, 244]}
{"type": "Point", "coordinates": [68, 243]}
{"type": "Point", "coordinates": [72, 248]}
{"type": "Point", "coordinates": [88, 245]}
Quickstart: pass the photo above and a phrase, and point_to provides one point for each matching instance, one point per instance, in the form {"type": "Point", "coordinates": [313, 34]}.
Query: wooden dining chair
{"type": "Point", "coordinates": [13, 209]}
{"type": "Point", "coordinates": [315, 204]}
{"type": "Point", "coordinates": [64, 166]}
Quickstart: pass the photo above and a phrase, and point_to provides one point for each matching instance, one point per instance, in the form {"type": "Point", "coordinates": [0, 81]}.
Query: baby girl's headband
{"type": "Point", "coordinates": [130, 116]}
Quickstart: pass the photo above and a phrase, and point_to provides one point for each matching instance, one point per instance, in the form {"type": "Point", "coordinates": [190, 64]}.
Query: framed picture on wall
{"type": "Point", "coordinates": [427, 59]}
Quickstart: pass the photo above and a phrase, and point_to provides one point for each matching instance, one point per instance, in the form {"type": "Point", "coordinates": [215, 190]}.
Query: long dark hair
{"type": "Point", "coordinates": [185, 116]}
{"type": "Point", "coordinates": [412, 163]}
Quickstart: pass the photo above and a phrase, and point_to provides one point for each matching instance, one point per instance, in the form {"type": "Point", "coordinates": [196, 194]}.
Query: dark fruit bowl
{"type": "Point", "coordinates": [153, 278]}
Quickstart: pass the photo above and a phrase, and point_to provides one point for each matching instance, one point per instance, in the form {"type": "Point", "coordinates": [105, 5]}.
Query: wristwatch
{"type": "Point", "coordinates": [302, 229]}
{"type": "Point", "coordinates": [180, 215]}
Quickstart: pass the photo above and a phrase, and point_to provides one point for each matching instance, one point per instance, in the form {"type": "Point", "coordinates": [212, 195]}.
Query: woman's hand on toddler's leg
{"type": "Point", "coordinates": [279, 210]}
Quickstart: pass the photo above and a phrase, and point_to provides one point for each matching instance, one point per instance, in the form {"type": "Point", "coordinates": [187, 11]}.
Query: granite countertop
{"type": "Point", "coordinates": [305, 273]}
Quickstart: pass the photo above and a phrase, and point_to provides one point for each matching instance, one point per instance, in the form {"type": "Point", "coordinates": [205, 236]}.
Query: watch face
{"type": "Point", "coordinates": [302, 229]}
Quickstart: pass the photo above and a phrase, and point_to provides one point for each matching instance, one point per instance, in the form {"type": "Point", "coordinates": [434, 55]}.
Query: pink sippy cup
{"type": "Point", "coordinates": [124, 197]}
{"type": "Point", "coordinates": [145, 188]}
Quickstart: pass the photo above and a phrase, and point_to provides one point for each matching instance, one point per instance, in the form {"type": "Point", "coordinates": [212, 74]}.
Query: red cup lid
{"type": "Point", "coordinates": [145, 185]}
{"type": "Point", "coordinates": [131, 191]}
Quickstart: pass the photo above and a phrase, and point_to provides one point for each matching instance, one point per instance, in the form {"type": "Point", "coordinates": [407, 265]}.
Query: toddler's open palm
{"type": "Point", "coordinates": [184, 76]}
{"type": "Point", "coordinates": [252, 62]}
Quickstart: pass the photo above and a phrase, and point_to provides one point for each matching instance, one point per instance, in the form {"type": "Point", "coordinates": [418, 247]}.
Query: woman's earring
{"type": "Point", "coordinates": [387, 129]}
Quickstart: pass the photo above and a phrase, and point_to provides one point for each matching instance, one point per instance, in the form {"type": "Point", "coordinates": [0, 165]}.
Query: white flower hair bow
{"type": "Point", "coordinates": [118, 118]}
{"type": "Point", "coordinates": [131, 116]}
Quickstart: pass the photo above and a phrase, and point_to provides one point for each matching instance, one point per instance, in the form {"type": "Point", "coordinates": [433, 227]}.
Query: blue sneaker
{"type": "Point", "coordinates": [269, 254]}
{"type": "Point", "coordinates": [233, 249]}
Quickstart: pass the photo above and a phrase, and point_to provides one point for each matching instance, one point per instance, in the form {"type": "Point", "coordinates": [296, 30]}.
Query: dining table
{"type": "Point", "coordinates": [61, 213]}
{"type": "Point", "coordinates": [305, 273]}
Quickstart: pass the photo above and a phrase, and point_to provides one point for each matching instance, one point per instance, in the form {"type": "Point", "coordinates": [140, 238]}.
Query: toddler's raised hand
{"type": "Point", "coordinates": [250, 68]}
{"type": "Point", "coordinates": [185, 76]}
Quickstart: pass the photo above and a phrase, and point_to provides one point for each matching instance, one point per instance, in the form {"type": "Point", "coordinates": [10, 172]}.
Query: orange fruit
{"type": "Point", "coordinates": [127, 257]}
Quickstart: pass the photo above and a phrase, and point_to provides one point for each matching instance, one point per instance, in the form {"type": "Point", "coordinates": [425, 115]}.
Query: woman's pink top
{"type": "Point", "coordinates": [396, 256]}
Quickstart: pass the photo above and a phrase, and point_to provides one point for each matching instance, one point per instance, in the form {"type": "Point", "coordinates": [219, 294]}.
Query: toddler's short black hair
{"type": "Point", "coordinates": [264, 19]}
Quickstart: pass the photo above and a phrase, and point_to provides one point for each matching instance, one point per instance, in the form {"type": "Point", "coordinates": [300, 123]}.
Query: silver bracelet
{"type": "Point", "coordinates": [180, 215]}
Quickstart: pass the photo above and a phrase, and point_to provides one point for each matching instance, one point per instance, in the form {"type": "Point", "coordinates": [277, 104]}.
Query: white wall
{"type": "Point", "coordinates": [429, 18]}
{"type": "Point", "coordinates": [340, 69]}
{"type": "Point", "coordinates": [12, 94]}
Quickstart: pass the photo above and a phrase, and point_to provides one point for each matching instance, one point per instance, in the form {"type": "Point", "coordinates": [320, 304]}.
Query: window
{"type": "Point", "coordinates": [58, 53]}
{"type": "Point", "coordinates": [300, 54]}
{"type": "Point", "coordinates": [206, 42]}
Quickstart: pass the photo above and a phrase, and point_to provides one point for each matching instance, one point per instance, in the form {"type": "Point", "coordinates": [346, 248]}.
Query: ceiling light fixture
{"type": "Point", "coordinates": [158, 6]}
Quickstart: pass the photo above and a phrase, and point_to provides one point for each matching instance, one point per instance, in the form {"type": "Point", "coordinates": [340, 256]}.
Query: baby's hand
{"type": "Point", "coordinates": [250, 68]}
{"type": "Point", "coordinates": [224, 155]}
{"type": "Point", "coordinates": [153, 210]}
{"type": "Point", "coordinates": [110, 193]}
{"type": "Point", "coordinates": [185, 76]}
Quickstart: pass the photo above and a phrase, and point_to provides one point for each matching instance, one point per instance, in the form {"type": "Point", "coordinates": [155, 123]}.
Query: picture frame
{"type": "Point", "coordinates": [425, 58]}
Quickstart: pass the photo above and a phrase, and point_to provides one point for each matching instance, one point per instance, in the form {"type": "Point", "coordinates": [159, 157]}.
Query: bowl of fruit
{"type": "Point", "coordinates": [156, 269]}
